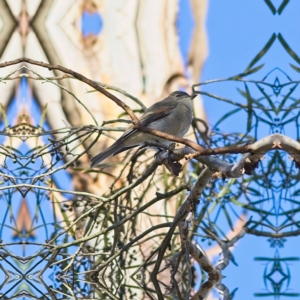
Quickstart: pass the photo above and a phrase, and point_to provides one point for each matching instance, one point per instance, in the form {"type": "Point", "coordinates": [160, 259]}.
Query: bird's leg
{"type": "Point", "coordinates": [164, 156]}
{"type": "Point", "coordinates": [163, 148]}
{"type": "Point", "coordinates": [171, 147]}
{"type": "Point", "coordinates": [173, 166]}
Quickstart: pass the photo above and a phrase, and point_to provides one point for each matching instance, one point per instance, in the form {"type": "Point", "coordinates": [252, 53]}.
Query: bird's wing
{"type": "Point", "coordinates": [153, 113]}
{"type": "Point", "coordinates": [156, 112]}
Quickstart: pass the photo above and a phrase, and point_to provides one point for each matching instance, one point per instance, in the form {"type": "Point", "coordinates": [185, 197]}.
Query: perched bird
{"type": "Point", "coordinates": [172, 115]}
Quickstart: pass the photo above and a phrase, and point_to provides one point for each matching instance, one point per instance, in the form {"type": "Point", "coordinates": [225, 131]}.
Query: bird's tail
{"type": "Point", "coordinates": [104, 154]}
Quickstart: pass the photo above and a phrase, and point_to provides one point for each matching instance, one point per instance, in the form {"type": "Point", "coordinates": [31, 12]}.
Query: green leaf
{"type": "Point", "coordinates": [292, 119]}
{"type": "Point", "coordinates": [42, 120]}
{"type": "Point", "coordinates": [253, 191]}
{"type": "Point", "coordinates": [262, 52]}
{"type": "Point", "coordinates": [271, 6]}
{"type": "Point", "coordinates": [227, 216]}
{"type": "Point", "coordinates": [288, 48]}
{"type": "Point", "coordinates": [268, 98]}
{"type": "Point", "coordinates": [289, 109]}
{"type": "Point", "coordinates": [246, 73]}
{"type": "Point", "coordinates": [4, 116]}
{"type": "Point", "coordinates": [282, 6]}
{"type": "Point", "coordinates": [251, 208]}
{"type": "Point", "coordinates": [250, 108]}
{"type": "Point", "coordinates": [202, 212]}
{"type": "Point", "coordinates": [226, 188]}
{"type": "Point", "coordinates": [43, 117]}
{"type": "Point", "coordinates": [295, 68]}
{"type": "Point", "coordinates": [296, 193]}
{"type": "Point", "coordinates": [286, 97]}
{"type": "Point", "coordinates": [254, 101]}
{"type": "Point", "coordinates": [5, 120]}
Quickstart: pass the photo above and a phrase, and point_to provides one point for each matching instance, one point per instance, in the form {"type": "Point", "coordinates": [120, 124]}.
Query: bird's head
{"type": "Point", "coordinates": [182, 95]}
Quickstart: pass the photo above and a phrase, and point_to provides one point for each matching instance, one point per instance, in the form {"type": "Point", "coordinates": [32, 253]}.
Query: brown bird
{"type": "Point", "coordinates": [172, 115]}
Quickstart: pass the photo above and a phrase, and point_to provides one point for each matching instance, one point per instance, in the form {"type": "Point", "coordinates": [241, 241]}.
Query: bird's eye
{"type": "Point", "coordinates": [178, 95]}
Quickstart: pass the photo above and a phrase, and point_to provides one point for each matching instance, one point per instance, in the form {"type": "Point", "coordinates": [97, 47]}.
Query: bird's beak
{"type": "Point", "coordinates": [193, 96]}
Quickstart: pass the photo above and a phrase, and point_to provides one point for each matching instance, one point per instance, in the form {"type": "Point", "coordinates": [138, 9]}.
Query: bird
{"type": "Point", "coordinates": [172, 115]}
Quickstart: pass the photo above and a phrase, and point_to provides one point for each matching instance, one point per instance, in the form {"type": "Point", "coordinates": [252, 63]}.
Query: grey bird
{"type": "Point", "coordinates": [172, 115]}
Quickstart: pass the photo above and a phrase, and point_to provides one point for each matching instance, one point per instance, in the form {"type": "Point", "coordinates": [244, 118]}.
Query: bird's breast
{"type": "Point", "coordinates": [176, 123]}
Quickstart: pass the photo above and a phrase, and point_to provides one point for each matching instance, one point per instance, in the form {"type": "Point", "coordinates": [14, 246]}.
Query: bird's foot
{"type": "Point", "coordinates": [164, 157]}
